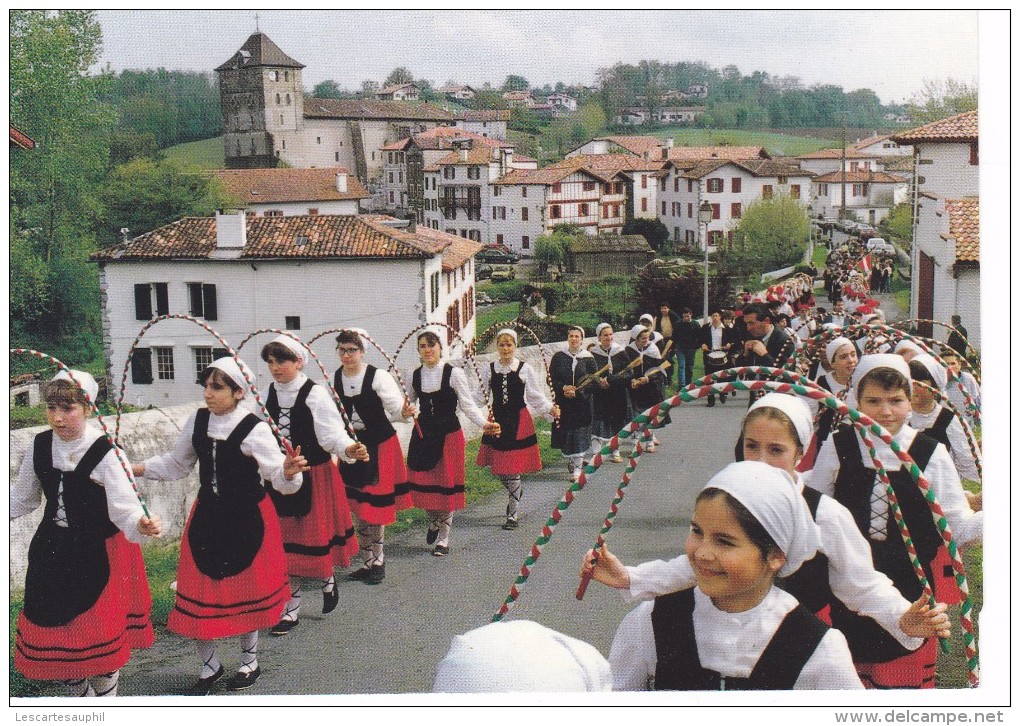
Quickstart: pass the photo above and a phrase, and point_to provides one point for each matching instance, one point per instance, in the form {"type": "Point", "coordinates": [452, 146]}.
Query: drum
{"type": "Point", "coordinates": [717, 357]}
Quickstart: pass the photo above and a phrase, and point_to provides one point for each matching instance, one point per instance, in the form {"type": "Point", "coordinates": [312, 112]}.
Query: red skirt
{"type": "Point", "coordinates": [206, 608]}
{"type": "Point", "coordinates": [515, 461]}
{"type": "Point", "coordinates": [441, 488]}
{"type": "Point", "coordinates": [100, 640]}
{"type": "Point", "coordinates": [914, 670]}
{"type": "Point", "coordinates": [379, 503]}
{"type": "Point", "coordinates": [324, 538]}
{"type": "Point", "coordinates": [945, 587]}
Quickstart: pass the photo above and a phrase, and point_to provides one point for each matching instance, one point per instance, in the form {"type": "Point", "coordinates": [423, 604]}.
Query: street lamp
{"type": "Point", "coordinates": [704, 217]}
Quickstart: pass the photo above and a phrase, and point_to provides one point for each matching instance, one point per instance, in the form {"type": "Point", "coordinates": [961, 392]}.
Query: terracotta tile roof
{"type": "Point", "coordinates": [611, 162]}
{"type": "Point", "coordinates": [697, 153]}
{"type": "Point", "coordinates": [870, 141]}
{"type": "Point", "coordinates": [259, 50]}
{"type": "Point", "coordinates": [859, 177]}
{"type": "Point", "coordinates": [267, 186]}
{"type": "Point", "coordinates": [328, 236]}
{"type": "Point", "coordinates": [396, 87]}
{"type": "Point", "coordinates": [635, 144]}
{"type": "Point", "coordinates": [962, 128]}
{"type": "Point", "coordinates": [456, 250]}
{"type": "Point", "coordinates": [483, 115]}
{"type": "Point", "coordinates": [545, 176]}
{"type": "Point", "coordinates": [851, 153]}
{"type": "Point", "coordinates": [609, 243]}
{"type": "Point", "coordinates": [965, 228]}
{"type": "Point", "coordinates": [476, 155]}
{"type": "Point", "coordinates": [360, 109]}
{"type": "Point", "coordinates": [756, 167]}
{"type": "Point", "coordinates": [21, 138]}
{"type": "Point", "coordinates": [903, 164]}
{"type": "Point", "coordinates": [400, 145]}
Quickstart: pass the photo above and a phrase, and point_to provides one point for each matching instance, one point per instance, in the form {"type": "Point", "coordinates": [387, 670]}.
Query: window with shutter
{"type": "Point", "coordinates": [209, 295]}
{"type": "Point", "coordinates": [735, 183]}
{"type": "Point", "coordinates": [143, 302]}
{"type": "Point", "coordinates": [162, 298]}
{"type": "Point", "coordinates": [141, 366]}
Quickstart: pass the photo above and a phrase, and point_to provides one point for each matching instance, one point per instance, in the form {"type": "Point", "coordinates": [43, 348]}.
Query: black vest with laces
{"type": "Point", "coordinates": [369, 407]}
{"type": "Point", "coordinates": [507, 390]}
{"type": "Point", "coordinates": [302, 433]}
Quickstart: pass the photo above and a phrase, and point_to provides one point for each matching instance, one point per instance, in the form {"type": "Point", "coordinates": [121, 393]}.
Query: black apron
{"type": "Point", "coordinates": [378, 429]}
{"type": "Point", "coordinates": [437, 418]}
{"type": "Point", "coordinates": [302, 433]}
{"type": "Point", "coordinates": [507, 390]}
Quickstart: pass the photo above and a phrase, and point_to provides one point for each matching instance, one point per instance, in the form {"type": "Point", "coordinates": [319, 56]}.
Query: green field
{"type": "Point", "coordinates": [206, 154]}
{"type": "Point", "coordinates": [775, 144]}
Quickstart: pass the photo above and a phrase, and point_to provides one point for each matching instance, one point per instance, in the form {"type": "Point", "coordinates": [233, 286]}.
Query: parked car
{"type": "Point", "coordinates": [483, 272]}
{"type": "Point", "coordinates": [879, 244]}
{"type": "Point", "coordinates": [496, 253]}
{"type": "Point", "coordinates": [502, 273]}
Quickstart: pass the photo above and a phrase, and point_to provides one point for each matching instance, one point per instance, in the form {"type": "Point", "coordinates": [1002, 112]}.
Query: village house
{"type": "Point", "coordinates": [632, 116]}
{"type": "Point", "coordinates": [869, 195]}
{"type": "Point", "coordinates": [608, 254]}
{"type": "Point", "coordinates": [399, 92]}
{"type": "Point", "coordinates": [238, 274]}
{"type": "Point", "coordinates": [562, 100]}
{"type": "Point", "coordinates": [458, 92]}
{"type": "Point", "coordinates": [946, 249]}
{"type": "Point", "coordinates": [490, 123]}
{"type": "Point", "coordinates": [267, 120]}
{"type": "Point", "coordinates": [519, 99]}
{"type": "Point", "coordinates": [291, 192]}
{"type": "Point", "coordinates": [641, 179]}
{"type": "Point", "coordinates": [647, 147]}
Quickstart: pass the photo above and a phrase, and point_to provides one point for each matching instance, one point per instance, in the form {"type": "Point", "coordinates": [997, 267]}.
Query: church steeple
{"type": "Point", "coordinates": [259, 50]}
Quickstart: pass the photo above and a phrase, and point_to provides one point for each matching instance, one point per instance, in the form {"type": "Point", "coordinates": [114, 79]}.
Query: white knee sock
{"type": "Point", "coordinates": [249, 652]}
{"type": "Point", "coordinates": [515, 489]}
{"type": "Point", "coordinates": [79, 688]}
{"type": "Point", "coordinates": [294, 604]}
{"type": "Point", "coordinates": [106, 685]}
{"type": "Point", "coordinates": [207, 652]}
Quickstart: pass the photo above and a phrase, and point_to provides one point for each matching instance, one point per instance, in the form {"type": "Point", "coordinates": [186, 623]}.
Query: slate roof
{"type": "Point", "coordinates": [259, 50]}
{"type": "Point", "coordinates": [326, 237]}
{"type": "Point", "coordinates": [361, 109]}
{"type": "Point", "coordinates": [609, 243]}
{"type": "Point", "coordinates": [965, 228]}
{"type": "Point", "coordinates": [269, 186]}
{"type": "Point", "coordinates": [962, 128]}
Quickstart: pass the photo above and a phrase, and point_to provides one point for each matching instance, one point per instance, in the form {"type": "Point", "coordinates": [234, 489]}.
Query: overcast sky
{"type": "Point", "coordinates": [890, 52]}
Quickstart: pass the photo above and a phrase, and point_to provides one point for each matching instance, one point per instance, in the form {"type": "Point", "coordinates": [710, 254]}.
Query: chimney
{"type": "Point", "coordinates": [231, 229]}
{"type": "Point", "coordinates": [506, 160]}
{"type": "Point", "coordinates": [341, 182]}
{"type": "Point", "coordinates": [666, 147]}
{"type": "Point", "coordinates": [412, 225]}
{"type": "Point", "coordinates": [462, 146]}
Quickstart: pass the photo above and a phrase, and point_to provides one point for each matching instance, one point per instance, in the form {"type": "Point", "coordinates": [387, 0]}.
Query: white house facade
{"type": "Point", "coordinates": [290, 192]}
{"type": "Point", "coordinates": [870, 195]}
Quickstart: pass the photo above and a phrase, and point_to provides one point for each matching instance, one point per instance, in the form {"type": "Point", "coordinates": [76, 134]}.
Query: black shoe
{"type": "Point", "coordinates": [376, 574]}
{"type": "Point", "coordinates": [361, 573]}
{"type": "Point", "coordinates": [510, 523]}
{"type": "Point", "coordinates": [330, 600]}
{"type": "Point", "coordinates": [711, 401]}
{"type": "Point", "coordinates": [440, 551]}
{"type": "Point", "coordinates": [431, 536]}
{"type": "Point", "coordinates": [722, 398]}
{"type": "Point", "coordinates": [203, 686]}
{"type": "Point", "coordinates": [242, 681]}
{"type": "Point", "coordinates": [283, 627]}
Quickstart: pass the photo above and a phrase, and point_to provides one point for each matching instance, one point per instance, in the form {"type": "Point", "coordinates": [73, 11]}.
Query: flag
{"type": "Point", "coordinates": [864, 265]}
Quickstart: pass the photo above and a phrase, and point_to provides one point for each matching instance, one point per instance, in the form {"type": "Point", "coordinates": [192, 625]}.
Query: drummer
{"type": "Point", "coordinates": [716, 341]}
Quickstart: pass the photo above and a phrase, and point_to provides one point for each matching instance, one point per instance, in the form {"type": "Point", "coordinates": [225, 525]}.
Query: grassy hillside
{"type": "Point", "coordinates": [776, 144]}
{"type": "Point", "coordinates": [206, 154]}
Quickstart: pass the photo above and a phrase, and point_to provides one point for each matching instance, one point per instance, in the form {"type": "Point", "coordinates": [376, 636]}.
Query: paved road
{"type": "Point", "coordinates": [389, 638]}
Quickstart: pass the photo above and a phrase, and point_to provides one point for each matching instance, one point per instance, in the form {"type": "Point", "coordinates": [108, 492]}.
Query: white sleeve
{"type": "Point", "coordinates": [967, 525]}
{"type": "Point", "coordinates": [389, 392]}
{"type": "Point", "coordinates": [330, 431]}
{"type": "Point", "coordinates": [261, 445]}
{"type": "Point", "coordinates": [831, 667]}
{"type": "Point", "coordinates": [534, 391]}
{"type": "Point", "coordinates": [963, 459]}
{"type": "Point", "coordinates": [179, 461]}
{"type": "Point", "coordinates": [853, 578]}
{"type": "Point", "coordinates": [658, 577]}
{"type": "Point", "coordinates": [632, 656]}
{"type": "Point", "coordinates": [26, 491]}
{"type": "Point", "coordinates": [466, 399]}
{"type": "Point", "coordinates": [823, 476]}
{"type": "Point", "coordinates": [122, 503]}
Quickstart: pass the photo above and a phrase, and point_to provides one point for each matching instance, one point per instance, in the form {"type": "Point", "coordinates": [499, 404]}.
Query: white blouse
{"type": "Point", "coordinates": [122, 504]}
{"type": "Point", "coordinates": [535, 390]}
{"type": "Point", "coordinates": [432, 380]}
{"type": "Point", "coordinates": [730, 643]}
{"type": "Point", "coordinates": [384, 386]}
{"type": "Point", "coordinates": [260, 444]}
{"type": "Point", "coordinates": [852, 577]}
{"type": "Point", "coordinates": [966, 464]}
{"type": "Point", "coordinates": [965, 524]}
{"type": "Point", "coordinates": [329, 427]}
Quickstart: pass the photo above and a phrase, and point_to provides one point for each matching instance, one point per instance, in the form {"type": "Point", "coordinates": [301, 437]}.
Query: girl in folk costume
{"type": "Point", "coordinates": [318, 534]}
{"type": "Point", "coordinates": [568, 368]}
{"type": "Point", "coordinates": [735, 630]}
{"type": "Point", "coordinates": [610, 400]}
{"type": "Point", "coordinates": [86, 598]}
{"type": "Point", "coordinates": [372, 400]}
{"type": "Point", "coordinates": [776, 430]}
{"type": "Point", "coordinates": [232, 576]}
{"type": "Point", "coordinates": [881, 388]}
{"type": "Point", "coordinates": [517, 394]}
{"type": "Point", "coordinates": [841, 356]}
{"type": "Point", "coordinates": [969, 382]}
{"type": "Point", "coordinates": [646, 387]}
{"type": "Point", "coordinates": [435, 455]}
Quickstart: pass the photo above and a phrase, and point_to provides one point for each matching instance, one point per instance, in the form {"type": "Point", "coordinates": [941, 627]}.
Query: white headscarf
{"type": "Point", "coordinates": [637, 330]}
{"type": "Point", "coordinates": [600, 327]}
{"type": "Point", "coordinates": [520, 655]}
{"type": "Point", "coordinates": [869, 363]}
{"type": "Point", "coordinates": [507, 331]}
{"type": "Point", "coordinates": [83, 379]}
{"type": "Point", "coordinates": [935, 370]}
{"type": "Point", "coordinates": [234, 372]}
{"type": "Point", "coordinates": [292, 345]}
{"type": "Point", "coordinates": [795, 409]}
{"type": "Point", "coordinates": [905, 344]}
{"type": "Point", "coordinates": [771, 496]}
{"type": "Point", "coordinates": [834, 345]}
{"type": "Point", "coordinates": [651, 350]}
{"type": "Point", "coordinates": [648, 317]}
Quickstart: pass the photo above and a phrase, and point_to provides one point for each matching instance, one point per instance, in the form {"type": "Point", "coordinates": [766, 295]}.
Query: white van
{"type": "Point", "coordinates": [877, 243]}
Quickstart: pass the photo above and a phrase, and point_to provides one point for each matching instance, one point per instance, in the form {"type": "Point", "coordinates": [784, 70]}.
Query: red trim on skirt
{"type": "Point", "coordinates": [914, 670]}
{"type": "Point", "coordinates": [206, 609]}
{"type": "Point", "coordinates": [99, 640]}
{"type": "Point", "coordinates": [447, 476]}
{"type": "Point", "coordinates": [517, 461]}
{"type": "Point", "coordinates": [324, 538]}
{"type": "Point", "coordinates": [391, 483]}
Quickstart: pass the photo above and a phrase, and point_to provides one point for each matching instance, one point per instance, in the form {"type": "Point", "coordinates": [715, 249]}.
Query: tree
{"type": "Point", "coordinates": [399, 76]}
{"type": "Point", "coordinates": [515, 83]}
{"type": "Point", "coordinates": [551, 248]}
{"type": "Point", "coordinates": [653, 230]}
{"type": "Point", "coordinates": [898, 223]}
{"type": "Point", "coordinates": [327, 89]}
{"type": "Point", "coordinates": [941, 99]}
{"type": "Point", "coordinates": [772, 233]}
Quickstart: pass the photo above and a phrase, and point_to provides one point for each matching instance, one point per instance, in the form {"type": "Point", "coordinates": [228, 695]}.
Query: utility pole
{"type": "Point", "coordinates": [842, 173]}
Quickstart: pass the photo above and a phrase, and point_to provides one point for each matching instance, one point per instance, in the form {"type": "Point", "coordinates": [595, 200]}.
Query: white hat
{"type": "Point", "coordinates": [292, 345]}
{"type": "Point", "coordinates": [520, 655]}
{"type": "Point", "coordinates": [794, 408]}
{"type": "Point", "coordinates": [636, 331]}
{"type": "Point", "coordinates": [235, 372]}
{"type": "Point", "coordinates": [772, 498]}
{"type": "Point", "coordinates": [84, 380]}
{"type": "Point", "coordinates": [869, 363]}
{"type": "Point", "coordinates": [905, 344]}
{"type": "Point", "coordinates": [648, 317]}
{"type": "Point", "coordinates": [935, 370]}
{"type": "Point", "coordinates": [833, 347]}
{"type": "Point", "coordinates": [507, 331]}
{"type": "Point", "coordinates": [600, 327]}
